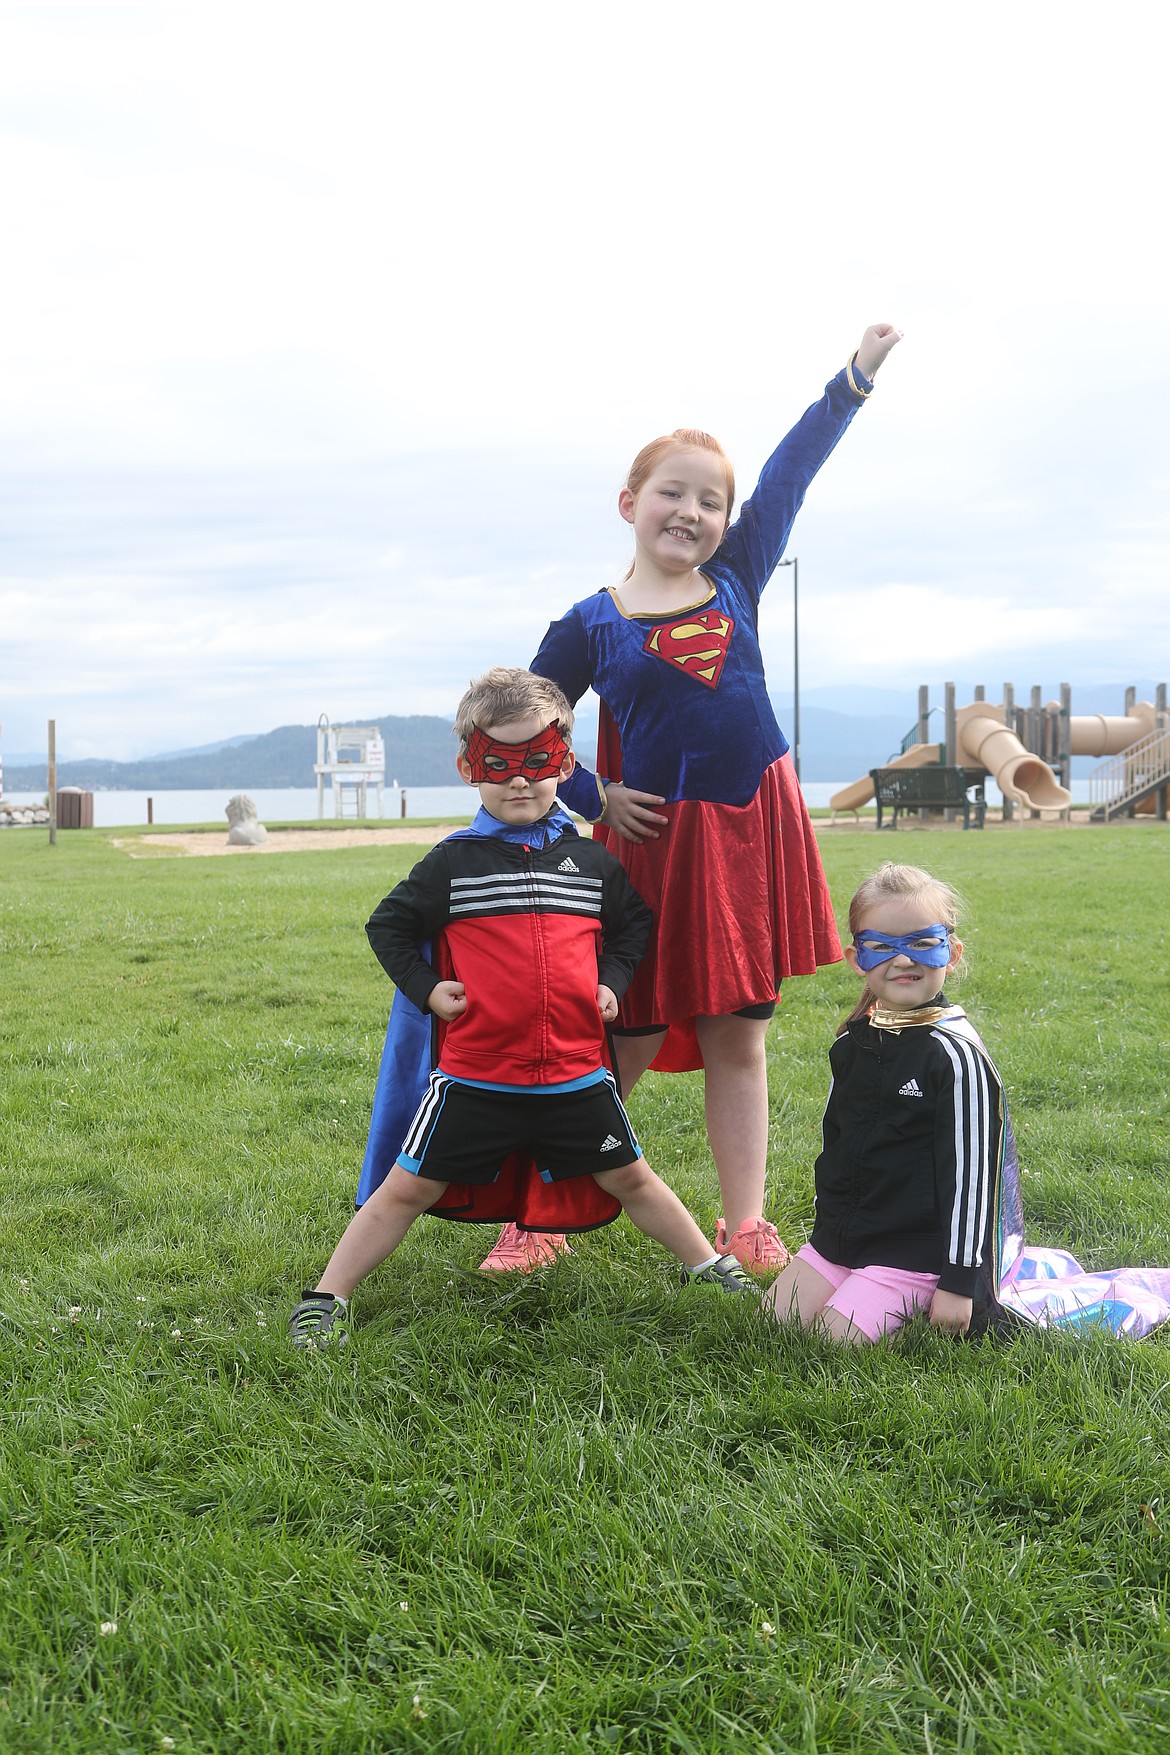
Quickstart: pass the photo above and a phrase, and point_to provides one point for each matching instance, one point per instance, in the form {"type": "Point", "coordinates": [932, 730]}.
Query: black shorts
{"type": "Point", "coordinates": [463, 1134]}
{"type": "Point", "coordinates": [765, 1010]}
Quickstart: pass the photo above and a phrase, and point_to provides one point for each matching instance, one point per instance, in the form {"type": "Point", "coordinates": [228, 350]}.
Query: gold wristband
{"type": "Point", "coordinates": [853, 384]}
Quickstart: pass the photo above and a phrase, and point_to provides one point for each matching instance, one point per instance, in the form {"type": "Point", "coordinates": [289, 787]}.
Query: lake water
{"type": "Point", "coordinates": [284, 804]}
{"type": "Point", "coordinates": [298, 804]}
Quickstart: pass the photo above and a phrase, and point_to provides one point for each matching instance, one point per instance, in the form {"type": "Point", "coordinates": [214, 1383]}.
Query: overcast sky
{"type": "Point", "coordinates": [329, 331]}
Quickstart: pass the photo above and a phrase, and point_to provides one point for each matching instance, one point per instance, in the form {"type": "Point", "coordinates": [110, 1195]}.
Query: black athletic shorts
{"type": "Point", "coordinates": [463, 1134]}
{"type": "Point", "coordinates": [765, 1010]}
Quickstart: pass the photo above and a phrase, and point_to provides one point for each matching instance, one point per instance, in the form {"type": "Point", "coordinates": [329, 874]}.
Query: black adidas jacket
{"type": "Point", "coordinates": [907, 1173]}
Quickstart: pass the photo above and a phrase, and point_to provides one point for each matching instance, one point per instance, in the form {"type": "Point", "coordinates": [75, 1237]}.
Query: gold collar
{"type": "Point", "coordinates": [882, 1018]}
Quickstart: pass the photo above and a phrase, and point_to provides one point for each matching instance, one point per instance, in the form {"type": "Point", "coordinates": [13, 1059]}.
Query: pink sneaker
{"type": "Point", "coordinates": [518, 1252]}
{"type": "Point", "coordinates": [757, 1246]}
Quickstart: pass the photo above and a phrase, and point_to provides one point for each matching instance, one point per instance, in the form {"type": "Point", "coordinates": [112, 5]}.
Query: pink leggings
{"type": "Point", "coordinates": [877, 1300]}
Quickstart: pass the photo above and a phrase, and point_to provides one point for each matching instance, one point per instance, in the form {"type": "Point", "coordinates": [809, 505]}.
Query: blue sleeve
{"type": "Point", "coordinates": [757, 539]}
{"type": "Point", "coordinates": [564, 657]}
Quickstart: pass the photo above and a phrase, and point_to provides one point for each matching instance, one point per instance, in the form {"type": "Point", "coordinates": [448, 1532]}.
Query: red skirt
{"type": "Point", "coordinates": [740, 901]}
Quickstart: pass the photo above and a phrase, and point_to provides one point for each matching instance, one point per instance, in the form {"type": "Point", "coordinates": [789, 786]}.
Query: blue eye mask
{"type": "Point", "coordinates": [930, 945]}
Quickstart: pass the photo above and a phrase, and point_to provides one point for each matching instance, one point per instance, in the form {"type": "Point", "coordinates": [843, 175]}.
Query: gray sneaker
{"type": "Point", "coordinates": [320, 1320]}
{"type": "Point", "coordinates": [725, 1272]}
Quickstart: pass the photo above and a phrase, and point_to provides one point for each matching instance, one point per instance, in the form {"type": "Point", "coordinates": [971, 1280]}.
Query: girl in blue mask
{"type": "Point", "coordinates": [906, 1181]}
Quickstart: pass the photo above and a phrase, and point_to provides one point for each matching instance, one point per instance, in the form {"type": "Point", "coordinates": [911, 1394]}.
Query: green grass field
{"type": "Point", "coordinates": [587, 1511]}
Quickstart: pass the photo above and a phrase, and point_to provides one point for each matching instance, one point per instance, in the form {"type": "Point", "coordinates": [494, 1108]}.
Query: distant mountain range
{"type": "Point", "coordinates": [420, 751]}
{"type": "Point", "coordinates": [837, 742]}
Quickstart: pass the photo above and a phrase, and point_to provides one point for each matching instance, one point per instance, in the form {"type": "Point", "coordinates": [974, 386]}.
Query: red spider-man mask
{"type": "Point", "coordinates": [538, 759]}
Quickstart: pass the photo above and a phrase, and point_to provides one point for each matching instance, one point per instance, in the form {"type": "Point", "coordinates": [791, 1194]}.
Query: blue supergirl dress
{"type": "Point", "coordinates": [735, 877]}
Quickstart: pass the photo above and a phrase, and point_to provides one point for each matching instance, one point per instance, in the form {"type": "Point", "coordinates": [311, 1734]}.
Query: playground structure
{"type": "Point", "coordinates": [354, 758]}
{"type": "Point", "coordinates": [1028, 752]}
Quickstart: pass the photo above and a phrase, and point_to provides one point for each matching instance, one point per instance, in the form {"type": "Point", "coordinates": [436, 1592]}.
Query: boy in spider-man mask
{"type": "Point", "coordinates": [511, 944]}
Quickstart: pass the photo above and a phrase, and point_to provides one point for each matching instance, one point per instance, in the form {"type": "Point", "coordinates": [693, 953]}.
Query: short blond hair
{"type": "Point", "coordinates": [503, 694]}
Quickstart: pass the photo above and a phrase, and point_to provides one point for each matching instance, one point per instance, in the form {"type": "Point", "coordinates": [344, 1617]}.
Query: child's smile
{"type": "Point", "coordinates": [680, 514]}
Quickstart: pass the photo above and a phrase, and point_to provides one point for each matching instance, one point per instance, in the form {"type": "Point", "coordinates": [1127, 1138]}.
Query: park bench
{"type": "Point", "coordinates": [930, 788]}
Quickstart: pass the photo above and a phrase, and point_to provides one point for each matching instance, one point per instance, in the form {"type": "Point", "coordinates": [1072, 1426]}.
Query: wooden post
{"type": "Point", "coordinates": [52, 782]}
{"type": "Point", "coordinates": [402, 802]}
{"type": "Point", "coordinates": [150, 810]}
{"type": "Point", "coordinates": [1160, 722]}
{"type": "Point", "coordinates": [923, 714]}
{"type": "Point", "coordinates": [1065, 732]}
{"type": "Point", "coordinates": [1036, 731]}
{"type": "Point", "coordinates": [951, 736]}
{"type": "Point", "coordinates": [980, 692]}
{"type": "Point", "coordinates": [1009, 719]}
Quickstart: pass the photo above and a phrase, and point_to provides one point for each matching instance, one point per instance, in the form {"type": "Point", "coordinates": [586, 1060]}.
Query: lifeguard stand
{"type": "Point", "coordinates": [354, 757]}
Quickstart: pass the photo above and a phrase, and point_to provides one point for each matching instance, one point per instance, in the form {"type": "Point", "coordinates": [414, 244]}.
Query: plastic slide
{"type": "Point", "coordinates": [984, 741]}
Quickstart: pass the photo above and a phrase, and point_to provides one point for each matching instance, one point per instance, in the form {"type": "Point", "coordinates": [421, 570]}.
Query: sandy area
{"type": "Point", "coordinates": [206, 843]}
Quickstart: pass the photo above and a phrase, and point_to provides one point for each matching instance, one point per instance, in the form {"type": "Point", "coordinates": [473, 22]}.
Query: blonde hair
{"type": "Point", "coordinates": [682, 439]}
{"type": "Point", "coordinates": [903, 883]}
{"type": "Point", "coordinates": [503, 694]}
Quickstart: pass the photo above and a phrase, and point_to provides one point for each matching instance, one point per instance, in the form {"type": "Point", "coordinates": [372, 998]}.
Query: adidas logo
{"type": "Point", "coordinates": [609, 1144]}
{"type": "Point", "coordinates": [911, 1089]}
{"type": "Point", "coordinates": [567, 865]}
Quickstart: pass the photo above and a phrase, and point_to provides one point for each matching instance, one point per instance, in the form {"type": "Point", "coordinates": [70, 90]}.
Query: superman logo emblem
{"type": "Point", "coordinates": [697, 645]}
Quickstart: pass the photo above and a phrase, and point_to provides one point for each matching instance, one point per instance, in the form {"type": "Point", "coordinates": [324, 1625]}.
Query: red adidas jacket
{"type": "Point", "coordinates": [530, 934]}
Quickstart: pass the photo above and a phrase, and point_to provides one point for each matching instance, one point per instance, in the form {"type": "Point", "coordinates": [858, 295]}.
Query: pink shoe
{"type": "Point", "coordinates": [518, 1252]}
{"type": "Point", "coordinates": [757, 1246]}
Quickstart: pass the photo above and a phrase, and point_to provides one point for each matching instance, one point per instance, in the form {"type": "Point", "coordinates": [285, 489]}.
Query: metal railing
{"type": "Point", "coordinates": [1136, 772]}
{"type": "Point", "coordinates": [912, 736]}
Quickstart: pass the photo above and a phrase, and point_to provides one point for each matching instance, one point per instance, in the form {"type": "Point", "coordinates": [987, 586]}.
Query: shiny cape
{"type": "Point", "coordinates": [1048, 1287]}
{"type": "Point", "coordinates": [744, 905]}
{"type": "Point", "coordinates": [413, 1039]}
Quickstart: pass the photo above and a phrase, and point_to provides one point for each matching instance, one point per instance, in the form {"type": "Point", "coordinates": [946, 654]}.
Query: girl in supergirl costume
{"type": "Point", "coordinates": [695, 791]}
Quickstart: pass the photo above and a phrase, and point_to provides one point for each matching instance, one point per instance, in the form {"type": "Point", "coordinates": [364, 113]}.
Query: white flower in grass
{"type": "Point", "coordinates": [404, 1607]}
{"type": "Point", "coordinates": [139, 1298]}
{"type": "Point", "coordinates": [108, 1628]}
{"type": "Point", "coordinates": [176, 1334]}
{"type": "Point", "coordinates": [166, 1742]}
{"type": "Point", "coordinates": [767, 1631]}
{"type": "Point", "coordinates": [23, 1285]}
{"type": "Point", "coordinates": [418, 1710]}
{"type": "Point", "coordinates": [75, 1313]}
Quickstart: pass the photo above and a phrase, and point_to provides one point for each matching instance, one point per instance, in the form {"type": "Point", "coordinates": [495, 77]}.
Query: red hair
{"type": "Point", "coordinates": [682, 439]}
